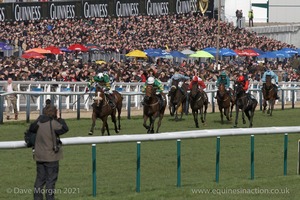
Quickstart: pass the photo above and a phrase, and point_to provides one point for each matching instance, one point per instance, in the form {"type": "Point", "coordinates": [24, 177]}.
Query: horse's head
{"type": "Point", "coordinates": [222, 90]}
{"type": "Point", "coordinates": [99, 95]}
{"type": "Point", "coordinates": [194, 90]}
{"type": "Point", "coordinates": [238, 88]}
{"type": "Point", "coordinates": [150, 91]}
{"type": "Point", "coordinates": [173, 89]}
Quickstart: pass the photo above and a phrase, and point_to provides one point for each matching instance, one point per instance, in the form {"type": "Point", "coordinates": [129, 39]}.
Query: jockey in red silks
{"type": "Point", "coordinates": [244, 82]}
{"type": "Point", "coordinates": [201, 85]}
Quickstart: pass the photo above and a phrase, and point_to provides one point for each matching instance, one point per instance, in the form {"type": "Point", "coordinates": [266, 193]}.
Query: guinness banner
{"type": "Point", "coordinates": [36, 11]}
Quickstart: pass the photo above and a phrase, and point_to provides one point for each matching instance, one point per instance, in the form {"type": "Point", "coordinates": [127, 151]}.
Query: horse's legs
{"type": "Point", "coordinates": [175, 112]}
{"type": "Point", "coordinates": [195, 114]}
{"type": "Point", "coordinates": [264, 105]}
{"type": "Point", "coordinates": [243, 116]}
{"type": "Point", "coordinates": [171, 108]}
{"type": "Point", "coordinates": [151, 127]}
{"type": "Point", "coordinates": [93, 124]}
{"type": "Point", "coordinates": [104, 126]}
{"type": "Point", "coordinates": [119, 118]}
{"type": "Point", "coordinates": [161, 116]}
{"type": "Point", "coordinates": [205, 111]}
{"type": "Point", "coordinates": [231, 108]}
{"type": "Point", "coordinates": [221, 114]}
{"type": "Point", "coordinates": [272, 106]}
{"type": "Point", "coordinates": [236, 115]}
{"type": "Point", "coordinates": [114, 120]}
{"type": "Point", "coordinates": [145, 122]}
{"type": "Point", "coordinates": [182, 109]}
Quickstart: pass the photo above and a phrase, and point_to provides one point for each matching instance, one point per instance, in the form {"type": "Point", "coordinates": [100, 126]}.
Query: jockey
{"type": "Point", "coordinates": [180, 78]}
{"type": "Point", "coordinates": [224, 79]}
{"type": "Point", "coordinates": [244, 82]}
{"type": "Point", "coordinates": [274, 77]}
{"type": "Point", "coordinates": [103, 80]}
{"type": "Point", "coordinates": [159, 88]}
{"type": "Point", "coordinates": [201, 85]}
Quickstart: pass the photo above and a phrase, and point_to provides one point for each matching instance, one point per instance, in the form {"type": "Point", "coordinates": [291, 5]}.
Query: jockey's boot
{"type": "Point", "coordinates": [161, 101]}
{"type": "Point", "coordinates": [205, 96]}
{"type": "Point", "coordinates": [182, 91]}
{"type": "Point", "coordinates": [111, 101]}
{"type": "Point", "coordinates": [276, 90]}
{"type": "Point", "coordinates": [217, 95]}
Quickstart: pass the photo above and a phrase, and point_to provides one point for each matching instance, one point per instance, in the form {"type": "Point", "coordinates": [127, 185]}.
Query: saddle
{"type": "Point", "coordinates": [160, 101]}
{"type": "Point", "coordinates": [111, 100]}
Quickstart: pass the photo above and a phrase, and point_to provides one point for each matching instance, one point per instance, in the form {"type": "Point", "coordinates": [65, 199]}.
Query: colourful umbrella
{"type": "Point", "coordinates": [201, 54]}
{"type": "Point", "coordinates": [54, 50]}
{"type": "Point", "coordinates": [137, 54]}
{"type": "Point", "coordinates": [33, 54]}
{"type": "Point", "coordinates": [65, 49]}
{"type": "Point", "coordinates": [77, 47]}
{"type": "Point", "coordinates": [178, 54]}
{"type": "Point", "coordinates": [38, 50]}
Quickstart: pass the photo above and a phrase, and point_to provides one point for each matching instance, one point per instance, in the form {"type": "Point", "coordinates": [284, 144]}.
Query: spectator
{"type": "Point", "coordinates": [11, 99]}
{"type": "Point", "coordinates": [47, 151]}
{"type": "Point", "coordinates": [250, 16]}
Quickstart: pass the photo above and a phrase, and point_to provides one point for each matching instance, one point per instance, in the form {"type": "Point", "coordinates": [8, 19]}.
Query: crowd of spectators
{"type": "Point", "coordinates": [174, 32]}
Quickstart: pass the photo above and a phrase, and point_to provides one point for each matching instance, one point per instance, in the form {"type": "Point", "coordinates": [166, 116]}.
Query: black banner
{"type": "Point", "coordinates": [99, 8]}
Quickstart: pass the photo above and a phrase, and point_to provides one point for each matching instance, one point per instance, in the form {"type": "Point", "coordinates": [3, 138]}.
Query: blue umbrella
{"type": "Point", "coordinates": [289, 51]}
{"type": "Point", "coordinates": [6, 47]}
{"type": "Point", "coordinates": [153, 52]}
{"type": "Point", "coordinates": [282, 54]}
{"type": "Point", "coordinates": [211, 50]}
{"type": "Point", "coordinates": [267, 54]}
{"type": "Point", "coordinates": [258, 51]}
{"type": "Point", "coordinates": [65, 49]}
{"type": "Point", "coordinates": [227, 52]}
{"type": "Point", "coordinates": [178, 54]}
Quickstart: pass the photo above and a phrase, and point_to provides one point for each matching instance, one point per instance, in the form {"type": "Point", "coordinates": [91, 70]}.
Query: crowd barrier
{"type": "Point", "coordinates": [74, 96]}
{"type": "Point", "coordinates": [218, 133]}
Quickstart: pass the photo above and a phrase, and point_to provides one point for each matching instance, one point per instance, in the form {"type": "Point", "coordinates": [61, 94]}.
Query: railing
{"type": "Point", "coordinates": [72, 95]}
{"type": "Point", "coordinates": [218, 133]}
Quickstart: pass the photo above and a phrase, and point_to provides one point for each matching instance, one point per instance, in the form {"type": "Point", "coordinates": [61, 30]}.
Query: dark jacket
{"type": "Point", "coordinates": [44, 139]}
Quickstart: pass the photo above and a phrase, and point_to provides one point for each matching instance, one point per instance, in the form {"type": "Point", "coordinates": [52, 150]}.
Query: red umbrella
{"type": "Point", "coordinates": [240, 52]}
{"type": "Point", "coordinates": [250, 52]}
{"type": "Point", "coordinates": [246, 52]}
{"type": "Point", "coordinates": [33, 54]}
{"type": "Point", "coordinates": [54, 50]}
{"type": "Point", "coordinates": [78, 47]}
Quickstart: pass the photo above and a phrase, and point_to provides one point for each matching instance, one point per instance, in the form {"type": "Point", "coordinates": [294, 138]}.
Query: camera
{"type": "Point", "coordinates": [57, 146]}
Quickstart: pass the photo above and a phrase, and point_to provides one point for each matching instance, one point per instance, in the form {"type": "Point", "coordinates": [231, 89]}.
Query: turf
{"type": "Point", "coordinates": [116, 163]}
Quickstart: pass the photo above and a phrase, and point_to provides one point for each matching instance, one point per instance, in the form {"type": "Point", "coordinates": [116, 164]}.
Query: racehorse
{"type": "Point", "coordinates": [199, 102]}
{"type": "Point", "coordinates": [152, 109]}
{"type": "Point", "coordinates": [269, 95]}
{"type": "Point", "coordinates": [177, 103]}
{"type": "Point", "coordinates": [245, 103]}
{"type": "Point", "coordinates": [224, 103]}
{"type": "Point", "coordinates": [102, 109]}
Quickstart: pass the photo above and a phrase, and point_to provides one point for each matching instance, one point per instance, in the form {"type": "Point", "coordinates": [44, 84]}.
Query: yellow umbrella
{"type": "Point", "coordinates": [137, 53]}
{"type": "Point", "coordinates": [201, 54]}
{"type": "Point", "coordinates": [100, 62]}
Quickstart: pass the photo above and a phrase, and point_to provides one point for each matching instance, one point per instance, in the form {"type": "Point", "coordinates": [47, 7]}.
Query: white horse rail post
{"type": "Point", "coordinates": [298, 164]}
{"type": "Point", "coordinates": [68, 99]}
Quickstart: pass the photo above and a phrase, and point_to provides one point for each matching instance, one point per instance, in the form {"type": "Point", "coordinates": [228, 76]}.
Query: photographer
{"type": "Point", "coordinates": [47, 151]}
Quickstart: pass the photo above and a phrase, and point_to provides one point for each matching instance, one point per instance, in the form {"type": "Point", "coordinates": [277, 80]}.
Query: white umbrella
{"type": "Point", "coordinates": [187, 52]}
